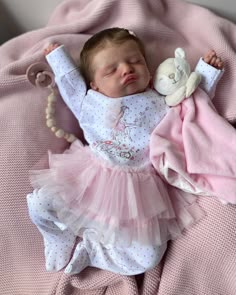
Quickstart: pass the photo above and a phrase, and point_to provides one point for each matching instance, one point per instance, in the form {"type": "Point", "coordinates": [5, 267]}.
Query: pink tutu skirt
{"type": "Point", "coordinates": [123, 204]}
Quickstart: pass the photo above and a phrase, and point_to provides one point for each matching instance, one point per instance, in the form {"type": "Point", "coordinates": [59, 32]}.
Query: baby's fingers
{"type": "Point", "coordinates": [50, 48]}
{"type": "Point", "coordinates": [209, 55]}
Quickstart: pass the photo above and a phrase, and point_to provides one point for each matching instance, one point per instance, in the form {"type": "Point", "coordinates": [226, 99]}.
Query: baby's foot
{"type": "Point", "coordinates": [79, 261]}
{"type": "Point", "coordinates": [212, 59]}
{"type": "Point", "coordinates": [58, 240]}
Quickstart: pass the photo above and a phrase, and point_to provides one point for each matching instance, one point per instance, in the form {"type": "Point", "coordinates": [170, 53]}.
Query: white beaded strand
{"type": "Point", "coordinates": [51, 121]}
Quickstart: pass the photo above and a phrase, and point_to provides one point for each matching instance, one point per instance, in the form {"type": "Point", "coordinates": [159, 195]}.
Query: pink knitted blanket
{"type": "Point", "coordinates": [203, 260]}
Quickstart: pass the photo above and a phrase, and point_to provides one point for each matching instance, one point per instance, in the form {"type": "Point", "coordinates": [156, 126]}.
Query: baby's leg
{"type": "Point", "coordinates": [131, 260]}
{"type": "Point", "coordinates": [58, 240]}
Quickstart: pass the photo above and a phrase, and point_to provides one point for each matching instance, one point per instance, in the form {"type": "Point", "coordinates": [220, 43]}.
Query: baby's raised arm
{"type": "Point", "coordinates": [67, 76]}
{"type": "Point", "coordinates": [211, 68]}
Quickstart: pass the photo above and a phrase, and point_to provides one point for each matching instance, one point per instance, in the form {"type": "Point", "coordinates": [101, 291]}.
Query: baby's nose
{"type": "Point", "coordinates": [126, 69]}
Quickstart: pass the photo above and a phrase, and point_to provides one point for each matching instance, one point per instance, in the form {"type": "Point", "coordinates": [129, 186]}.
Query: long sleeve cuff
{"type": "Point", "coordinates": [60, 61]}
{"type": "Point", "coordinates": [210, 76]}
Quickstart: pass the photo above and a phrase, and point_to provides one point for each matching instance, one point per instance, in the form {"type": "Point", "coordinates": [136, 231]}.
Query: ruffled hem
{"type": "Point", "coordinates": [123, 204]}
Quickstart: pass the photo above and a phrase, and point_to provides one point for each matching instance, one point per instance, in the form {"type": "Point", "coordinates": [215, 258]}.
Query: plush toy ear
{"type": "Point", "coordinates": [179, 52]}
{"type": "Point", "coordinates": [181, 62]}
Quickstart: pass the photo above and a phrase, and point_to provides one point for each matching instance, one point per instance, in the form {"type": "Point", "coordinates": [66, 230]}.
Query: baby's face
{"type": "Point", "coordinates": [120, 70]}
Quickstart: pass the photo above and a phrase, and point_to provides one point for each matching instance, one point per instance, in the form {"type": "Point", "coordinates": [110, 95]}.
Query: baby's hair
{"type": "Point", "coordinates": [98, 42]}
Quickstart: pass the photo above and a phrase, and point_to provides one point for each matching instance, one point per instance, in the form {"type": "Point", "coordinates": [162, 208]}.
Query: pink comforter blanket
{"type": "Point", "coordinates": [193, 148]}
{"type": "Point", "coordinates": [203, 260]}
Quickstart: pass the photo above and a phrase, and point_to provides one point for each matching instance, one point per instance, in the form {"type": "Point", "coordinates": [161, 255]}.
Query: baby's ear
{"type": "Point", "coordinates": [151, 82]}
{"type": "Point", "coordinates": [93, 86]}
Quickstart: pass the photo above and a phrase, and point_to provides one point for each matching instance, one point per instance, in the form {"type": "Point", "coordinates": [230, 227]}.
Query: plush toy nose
{"type": "Point", "coordinates": [172, 76]}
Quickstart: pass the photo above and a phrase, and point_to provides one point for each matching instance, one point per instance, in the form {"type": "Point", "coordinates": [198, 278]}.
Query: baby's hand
{"type": "Point", "coordinates": [212, 59]}
{"type": "Point", "coordinates": [50, 48]}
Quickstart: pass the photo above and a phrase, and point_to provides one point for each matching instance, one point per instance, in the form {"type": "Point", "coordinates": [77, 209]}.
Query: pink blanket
{"type": "Point", "coordinates": [203, 260]}
{"type": "Point", "coordinates": [194, 149]}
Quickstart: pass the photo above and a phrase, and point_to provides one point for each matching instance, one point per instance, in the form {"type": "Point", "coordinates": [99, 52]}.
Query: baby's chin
{"type": "Point", "coordinates": [136, 91]}
{"type": "Point", "coordinates": [127, 92]}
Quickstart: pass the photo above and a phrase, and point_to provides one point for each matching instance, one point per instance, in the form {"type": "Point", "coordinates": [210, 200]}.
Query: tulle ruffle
{"type": "Point", "coordinates": [121, 203]}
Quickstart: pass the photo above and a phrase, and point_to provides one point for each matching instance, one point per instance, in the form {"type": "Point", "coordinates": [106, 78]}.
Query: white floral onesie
{"type": "Point", "coordinates": [116, 129]}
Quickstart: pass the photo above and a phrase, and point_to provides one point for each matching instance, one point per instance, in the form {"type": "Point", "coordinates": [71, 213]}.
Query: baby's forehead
{"type": "Point", "coordinates": [115, 49]}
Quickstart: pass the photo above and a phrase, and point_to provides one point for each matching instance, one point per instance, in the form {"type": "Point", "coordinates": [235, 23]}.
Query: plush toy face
{"type": "Point", "coordinates": [172, 74]}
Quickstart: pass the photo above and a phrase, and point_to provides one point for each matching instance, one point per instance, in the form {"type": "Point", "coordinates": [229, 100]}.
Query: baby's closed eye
{"type": "Point", "coordinates": [110, 71]}
{"type": "Point", "coordinates": [134, 60]}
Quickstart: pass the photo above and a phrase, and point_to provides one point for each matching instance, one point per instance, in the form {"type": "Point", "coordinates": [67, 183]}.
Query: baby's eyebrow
{"type": "Point", "coordinates": [108, 67]}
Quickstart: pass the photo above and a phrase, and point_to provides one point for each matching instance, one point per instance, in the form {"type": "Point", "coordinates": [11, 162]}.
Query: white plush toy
{"type": "Point", "coordinates": [174, 79]}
